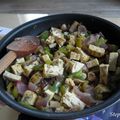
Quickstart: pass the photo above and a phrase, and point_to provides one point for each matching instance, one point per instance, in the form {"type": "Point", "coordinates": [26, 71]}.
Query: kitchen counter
{"type": "Point", "coordinates": [11, 21]}
{"type": "Point", "coordinates": [95, 7]}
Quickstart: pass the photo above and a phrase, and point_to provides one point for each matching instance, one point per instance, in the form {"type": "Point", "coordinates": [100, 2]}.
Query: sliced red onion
{"type": "Point", "coordinates": [41, 102]}
{"type": "Point", "coordinates": [85, 97]}
{"type": "Point", "coordinates": [21, 87]}
{"type": "Point", "coordinates": [32, 86]}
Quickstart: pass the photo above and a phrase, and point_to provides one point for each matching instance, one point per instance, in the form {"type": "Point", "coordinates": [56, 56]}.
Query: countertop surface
{"type": "Point", "coordinates": [94, 7]}
{"type": "Point", "coordinates": [13, 20]}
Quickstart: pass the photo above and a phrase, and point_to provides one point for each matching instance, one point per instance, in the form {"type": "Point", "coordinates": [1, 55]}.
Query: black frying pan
{"type": "Point", "coordinates": [34, 27]}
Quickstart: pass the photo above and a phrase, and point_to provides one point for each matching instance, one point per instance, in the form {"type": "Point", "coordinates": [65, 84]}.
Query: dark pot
{"type": "Point", "coordinates": [34, 27]}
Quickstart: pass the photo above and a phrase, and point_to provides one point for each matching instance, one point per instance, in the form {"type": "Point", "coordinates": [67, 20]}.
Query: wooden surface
{"type": "Point", "coordinates": [102, 8]}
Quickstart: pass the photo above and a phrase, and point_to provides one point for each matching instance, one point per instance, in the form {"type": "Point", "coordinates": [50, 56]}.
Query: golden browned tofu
{"type": "Point", "coordinates": [83, 56]}
{"type": "Point", "coordinates": [92, 63]}
{"type": "Point", "coordinates": [96, 51]}
{"type": "Point", "coordinates": [104, 73]}
{"type": "Point", "coordinates": [74, 56]}
{"type": "Point", "coordinates": [29, 97]}
{"type": "Point", "coordinates": [72, 101]}
{"type": "Point", "coordinates": [113, 61]}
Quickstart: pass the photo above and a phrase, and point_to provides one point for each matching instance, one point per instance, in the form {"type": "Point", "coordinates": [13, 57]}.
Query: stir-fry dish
{"type": "Point", "coordinates": [71, 70]}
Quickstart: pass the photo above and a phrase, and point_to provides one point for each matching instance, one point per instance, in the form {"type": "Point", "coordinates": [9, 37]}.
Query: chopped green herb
{"type": "Point", "coordinates": [44, 35]}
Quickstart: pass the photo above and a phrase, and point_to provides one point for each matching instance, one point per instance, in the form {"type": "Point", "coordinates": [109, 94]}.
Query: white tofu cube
{"type": "Point", "coordinates": [70, 82]}
{"type": "Point", "coordinates": [28, 69]}
{"type": "Point", "coordinates": [113, 61]}
{"type": "Point", "coordinates": [92, 63]}
{"type": "Point", "coordinates": [104, 73]}
{"type": "Point", "coordinates": [57, 32]}
{"type": "Point", "coordinates": [58, 62]}
{"type": "Point", "coordinates": [50, 94]}
{"type": "Point", "coordinates": [96, 51]}
{"type": "Point", "coordinates": [11, 76]}
{"type": "Point", "coordinates": [76, 66]}
{"type": "Point", "coordinates": [20, 60]}
{"type": "Point", "coordinates": [54, 104]}
{"type": "Point", "coordinates": [59, 36]}
{"type": "Point", "coordinates": [72, 101]}
{"type": "Point", "coordinates": [60, 41]}
{"type": "Point", "coordinates": [72, 39]}
{"type": "Point", "coordinates": [17, 69]}
{"type": "Point", "coordinates": [52, 45]}
{"type": "Point", "coordinates": [36, 78]}
{"type": "Point", "coordinates": [46, 58]}
{"type": "Point", "coordinates": [50, 39]}
{"type": "Point", "coordinates": [74, 56]}
{"type": "Point", "coordinates": [83, 56]}
{"type": "Point", "coordinates": [52, 70]}
{"type": "Point", "coordinates": [29, 97]}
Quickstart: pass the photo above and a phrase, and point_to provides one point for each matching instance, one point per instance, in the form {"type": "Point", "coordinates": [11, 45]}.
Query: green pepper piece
{"type": "Point", "coordinates": [80, 75]}
{"type": "Point", "coordinates": [100, 41]}
{"type": "Point", "coordinates": [79, 41]}
{"type": "Point", "coordinates": [63, 89]}
{"type": "Point", "coordinates": [63, 50]}
{"type": "Point", "coordinates": [44, 35]}
{"type": "Point", "coordinates": [47, 51]}
{"type": "Point", "coordinates": [28, 106]}
{"type": "Point", "coordinates": [37, 68]}
{"type": "Point", "coordinates": [15, 92]}
{"type": "Point", "coordinates": [9, 87]}
{"type": "Point", "coordinates": [70, 47]}
{"type": "Point", "coordinates": [55, 87]}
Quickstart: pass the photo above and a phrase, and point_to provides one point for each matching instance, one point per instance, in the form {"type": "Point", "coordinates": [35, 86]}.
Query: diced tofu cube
{"type": "Point", "coordinates": [104, 73]}
{"type": "Point", "coordinates": [57, 32]}
{"type": "Point", "coordinates": [50, 39]}
{"type": "Point", "coordinates": [11, 76]}
{"type": "Point", "coordinates": [74, 56]}
{"type": "Point", "coordinates": [50, 94]}
{"type": "Point", "coordinates": [83, 56]}
{"type": "Point", "coordinates": [76, 66]}
{"type": "Point", "coordinates": [72, 39]}
{"type": "Point", "coordinates": [72, 101]}
{"type": "Point", "coordinates": [46, 58]}
{"type": "Point", "coordinates": [60, 41]}
{"type": "Point", "coordinates": [17, 69]}
{"type": "Point", "coordinates": [60, 109]}
{"type": "Point", "coordinates": [28, 69]}
{"type": "Point", "coordinates": [59, 36]}
{"type": "Point", "coordinates": [92, 63]}
{"type": "Point", "coordinates": [96, 51]}
{"type": "Point", "coordinates": [54, 104]}
{"type": "Point", "coordinates": [36, 78]}
{"type": "Point", "coordinates": [29, 97]}
{"type": "Point", "coordinates": [113, 61]}
{"type": "Point", "coordinates": [58, 62]}
{"type": "Point", "coordinates": [59, 54]}
{"type": "Point", "coordinates": [20, 60]}
{"type": "Point", "coordinates": [52, 45]}
{"type": "Point", "coordinates": [52, 70]}
{"type": "Point", "coordinates": [70, 82]}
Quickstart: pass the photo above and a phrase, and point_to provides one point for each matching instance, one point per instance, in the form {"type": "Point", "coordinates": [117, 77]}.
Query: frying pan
{"type": "Point", "coordinates": [34, 27]}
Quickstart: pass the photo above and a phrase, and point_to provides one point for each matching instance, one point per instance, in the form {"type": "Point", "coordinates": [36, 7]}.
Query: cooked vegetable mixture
{"type": "Point", "coordinates": [72, 69]}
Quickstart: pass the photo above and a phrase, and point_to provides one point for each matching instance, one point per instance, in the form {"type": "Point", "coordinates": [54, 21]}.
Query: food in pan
{"type": "Point", "coordinates": [72, 69]}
